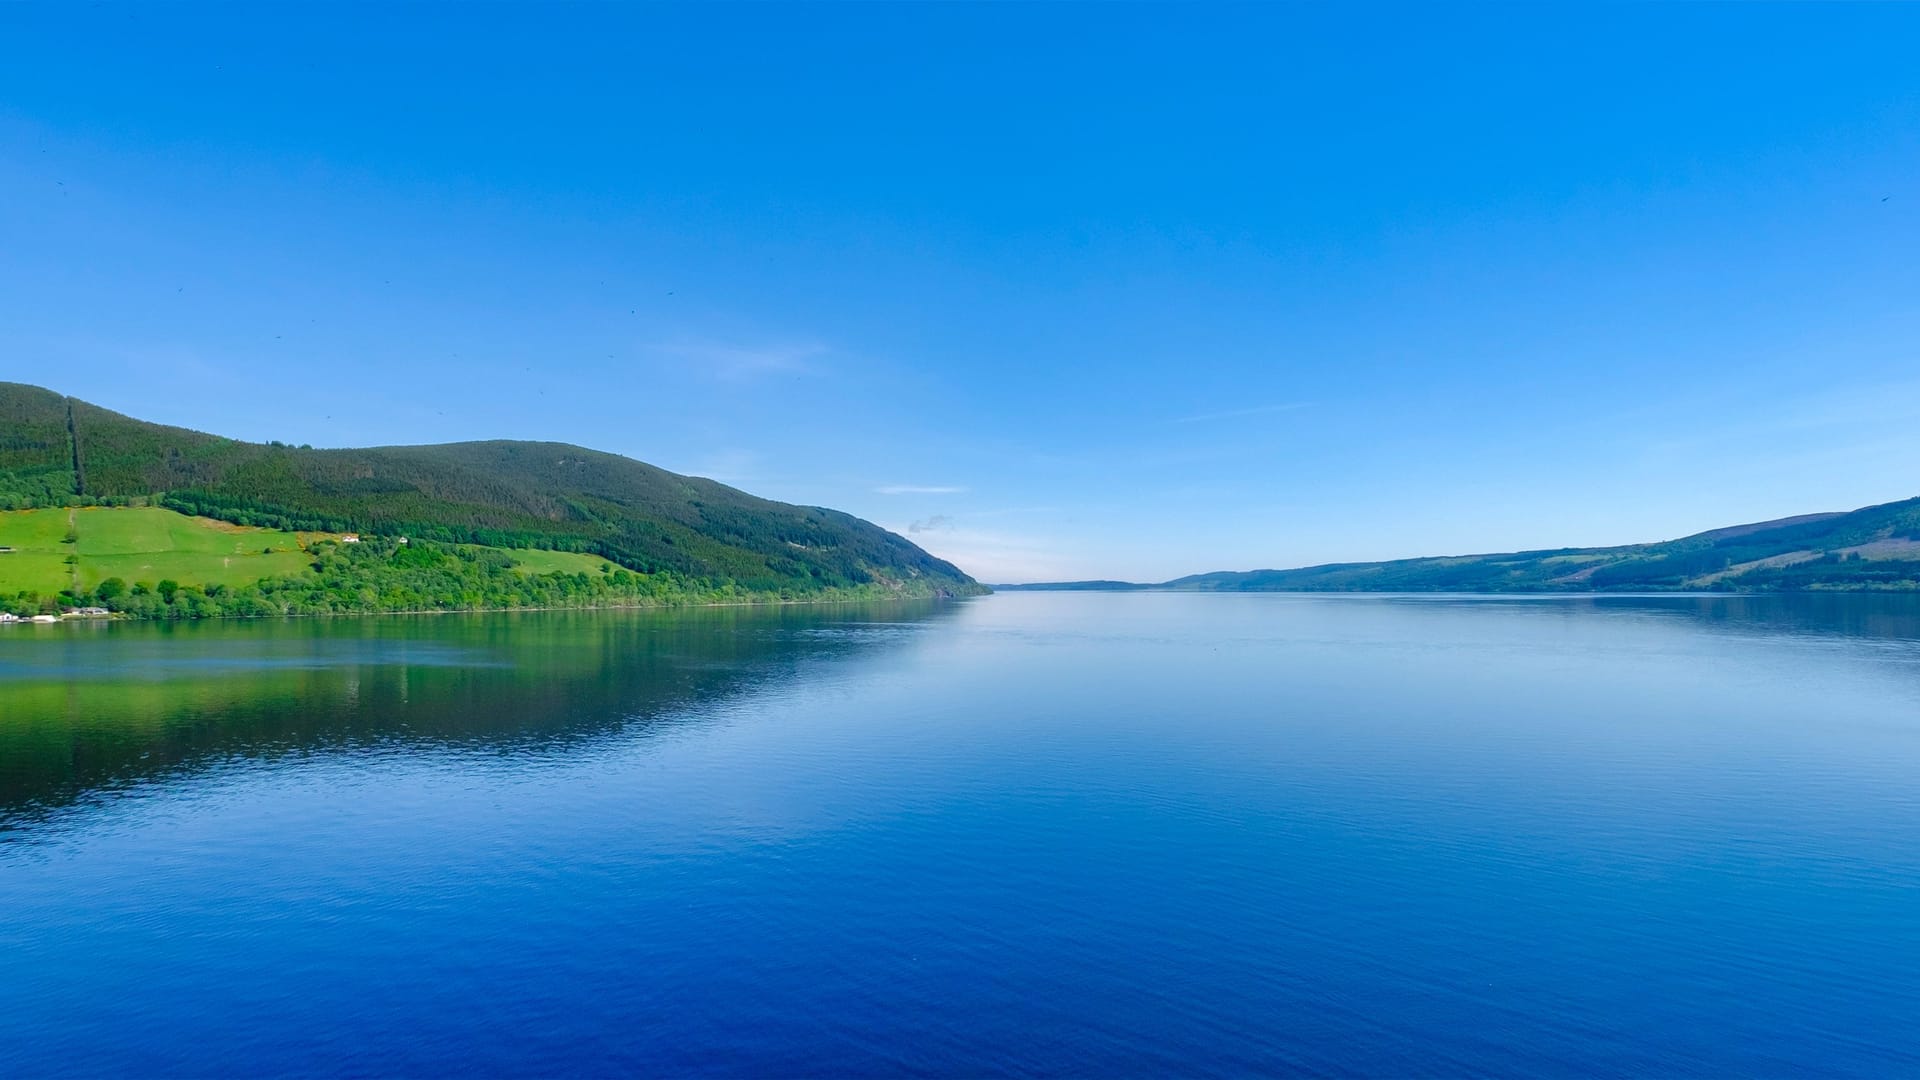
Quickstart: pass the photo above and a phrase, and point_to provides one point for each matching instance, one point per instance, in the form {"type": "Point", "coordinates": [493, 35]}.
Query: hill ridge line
{"type": "Point", "coordinates": [1873, 547]}
{"type": "Point", "coordinates": [493, 492]}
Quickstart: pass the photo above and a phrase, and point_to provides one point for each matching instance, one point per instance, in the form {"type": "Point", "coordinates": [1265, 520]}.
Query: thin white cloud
{"type": "Point", "coordinates": [1006, 511]}
{"type": "Point", "coordinates": [919, 489]}
{"type": "Point", "coordinates": [742, 363]}
{"type": "Point", "coordinates": [1230, 414]}
{"type": "Point", "coordinates": [998, 556]}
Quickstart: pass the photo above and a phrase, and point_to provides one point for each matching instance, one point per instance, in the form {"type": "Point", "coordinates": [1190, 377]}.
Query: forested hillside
{"type": "Point", "coordinates": [36, 451]}
{"type": "Point", "coordinates": [58, 451]}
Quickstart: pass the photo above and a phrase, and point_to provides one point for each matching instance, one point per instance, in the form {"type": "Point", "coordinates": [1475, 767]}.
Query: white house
{"type": "Point", "coordinates": [350, 538]}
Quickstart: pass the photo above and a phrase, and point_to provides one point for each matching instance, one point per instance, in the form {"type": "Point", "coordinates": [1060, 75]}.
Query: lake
{"type": "Point", "coordinates": [1092, 834]}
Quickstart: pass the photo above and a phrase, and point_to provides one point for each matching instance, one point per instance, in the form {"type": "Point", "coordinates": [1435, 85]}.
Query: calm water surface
{"type": "Point", "coordinates": [1029, 834]}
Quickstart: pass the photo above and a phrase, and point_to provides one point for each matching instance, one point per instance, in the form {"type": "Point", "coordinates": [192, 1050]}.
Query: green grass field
{"type": "Point", "coordinates": [149, 544]}
{"type": "Point", "coordinates": [38, 558]}
{"type": "Point", "coordinates": [139, 544]}
{"type": "Point", "coordinates": [556, 562]}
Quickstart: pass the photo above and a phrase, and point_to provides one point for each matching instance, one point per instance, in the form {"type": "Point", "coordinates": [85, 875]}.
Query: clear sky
{"type": "Point", "coordinates": [1060, 291]}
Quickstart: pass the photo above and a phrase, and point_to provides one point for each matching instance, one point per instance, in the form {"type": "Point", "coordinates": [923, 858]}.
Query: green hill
{"type": "Point", "coordinates": [58, 451]}
{"type": "Point", "coordinates": [1877, 547]}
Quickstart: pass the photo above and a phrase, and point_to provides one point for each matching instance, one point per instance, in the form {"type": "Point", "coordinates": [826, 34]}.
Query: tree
{"type": "Point", "coordinates": [167, 588]}
{"type": "Point", "coordinates": [110, 589]}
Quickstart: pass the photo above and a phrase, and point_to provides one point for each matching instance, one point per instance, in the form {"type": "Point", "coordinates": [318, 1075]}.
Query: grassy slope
{"type": "Point", "coordinates": [557, 562]}
{"type": "Point", "coordinates": [139, 544]}
{"type": "Point", "coordinates": [507, 494]}
{"type": "Point", "coordinates": [37, 561]}
{"type": "Point", "coordinates": [149, 544]}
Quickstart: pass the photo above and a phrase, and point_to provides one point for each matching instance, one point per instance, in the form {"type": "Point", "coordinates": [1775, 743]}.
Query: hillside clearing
{"type": "Point", "coordinates": [152, 544]}
{"type": "Point", "coordinates": [138, 544]}
{"type": "Point", "coordinates": [531, 561]}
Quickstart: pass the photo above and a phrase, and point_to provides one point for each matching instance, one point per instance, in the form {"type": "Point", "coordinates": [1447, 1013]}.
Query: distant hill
{"type": "Point", "coordinates": [56, 450]}
{"type": "Point", "coordinates": [1076, 586]}
{"type": "Point", "coordinates": [1877, 547]}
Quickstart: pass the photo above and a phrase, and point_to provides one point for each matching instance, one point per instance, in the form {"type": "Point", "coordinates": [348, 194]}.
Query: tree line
{"type": "Point", "coordinates": [384, 575]}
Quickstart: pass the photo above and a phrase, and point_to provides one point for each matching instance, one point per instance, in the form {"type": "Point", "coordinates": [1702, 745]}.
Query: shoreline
{"type": "Point", "coordinates": [119, 618]}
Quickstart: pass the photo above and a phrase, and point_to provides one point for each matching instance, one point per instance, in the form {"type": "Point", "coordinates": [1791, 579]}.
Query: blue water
{"type": "Point", "coordinates": [1134, 834]}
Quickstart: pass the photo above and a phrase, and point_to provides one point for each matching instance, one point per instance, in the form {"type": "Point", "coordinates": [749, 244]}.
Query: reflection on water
{"type": "Point", "coordinates": [86, 707]}
{"type": "Point", "coordinates": [1031, 834]}
{"type": "Point", "coordinates": [1891, 617]}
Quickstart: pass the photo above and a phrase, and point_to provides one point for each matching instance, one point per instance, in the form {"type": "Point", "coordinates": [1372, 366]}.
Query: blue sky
{"type": "Point", "coordinates": [1059, 291]}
